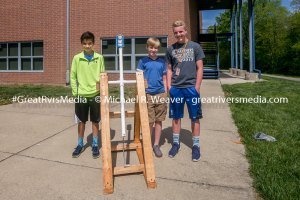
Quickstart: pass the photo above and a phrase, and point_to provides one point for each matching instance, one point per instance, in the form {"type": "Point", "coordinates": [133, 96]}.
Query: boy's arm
{"type": "Point", "coordinates": [199, 74]}
{"type": "Point", "coordinates": [74, 77]}
{"type": "Point", "coordinates": [165, 82]}
{"type": "Point", "coordinates": [169, 77]}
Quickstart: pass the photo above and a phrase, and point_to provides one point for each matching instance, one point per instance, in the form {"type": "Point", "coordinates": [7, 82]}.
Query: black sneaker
{"type": "Point", "coordinates": [78, 150]}
{"type": "Point", "coordinates": [195, 153]}
{"type": "Point", "coordinates": [95, 151]}
{"type": "Point", "coordinates": [174, 150]}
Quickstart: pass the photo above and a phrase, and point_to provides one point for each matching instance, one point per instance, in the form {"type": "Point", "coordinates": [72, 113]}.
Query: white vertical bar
{"type": "Point", "coordinates": [123, 130]}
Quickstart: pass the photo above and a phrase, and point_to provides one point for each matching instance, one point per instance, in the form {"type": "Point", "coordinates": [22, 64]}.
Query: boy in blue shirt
{"type": "Point", "coordinates": [155, 73]}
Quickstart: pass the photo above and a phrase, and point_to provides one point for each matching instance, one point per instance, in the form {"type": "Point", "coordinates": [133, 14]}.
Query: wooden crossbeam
{"type": "Point", "coordinates": [118, 114]}
{"type": "Point", "coordinates": [129, 169]}
{"type": "Point", "coordinates": [131, 146]}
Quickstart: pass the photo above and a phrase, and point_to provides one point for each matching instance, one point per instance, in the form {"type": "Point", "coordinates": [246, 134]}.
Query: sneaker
{"type": "Point", "coordinates": [95, 151]}
{"type": "Point", "coordinates": [157, 151]}
{"type": "Point", "coordinates": [78, 150]}
{"type": "Point", "coordinates": [195, 153]}
{"type": "Point", "coordinates": [174, 150]}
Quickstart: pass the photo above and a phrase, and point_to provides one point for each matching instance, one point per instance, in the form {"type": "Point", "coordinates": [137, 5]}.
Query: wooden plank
{"type": "Point", "coordinates": [137, 133]}
{"type": "Point", "coordinates": [129, 170]}
{"type": "Point", "coordinates": [118, 114]}
{"type": "Point", "coordinates": [131, 146]}
{"type": "Point", "coordinates": [107, 172]}
{"type": "Point", "coordinates": [143, 111]}
{"type": "Point", "coordinates": [137, 123]}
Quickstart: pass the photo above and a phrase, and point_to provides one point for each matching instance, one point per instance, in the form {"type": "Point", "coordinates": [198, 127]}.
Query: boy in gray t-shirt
{"type": "Point", "coordinates": [184, 77]}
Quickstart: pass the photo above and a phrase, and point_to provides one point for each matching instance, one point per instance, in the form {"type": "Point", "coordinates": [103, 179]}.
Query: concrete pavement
{"type": "Point", "coordinates": [36, 142]}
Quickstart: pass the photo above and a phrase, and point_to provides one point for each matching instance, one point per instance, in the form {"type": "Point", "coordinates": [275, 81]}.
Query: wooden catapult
{"type": "Point", "coordinates": [142, 146]}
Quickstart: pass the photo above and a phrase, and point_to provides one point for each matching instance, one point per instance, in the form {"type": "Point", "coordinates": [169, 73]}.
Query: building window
{"type": "Point", "coordinates": [21, 56]}
{"type": "Point", "coordinates": [134, 49]}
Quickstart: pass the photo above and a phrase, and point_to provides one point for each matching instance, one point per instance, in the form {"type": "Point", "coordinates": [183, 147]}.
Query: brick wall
{"type": "Point", "coordinates": [30, 20]}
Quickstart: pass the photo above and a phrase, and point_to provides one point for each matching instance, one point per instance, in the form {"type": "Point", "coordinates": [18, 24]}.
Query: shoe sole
{"type": "Point", "coordinates": [158, 156]}
{"type": "Point", "coordinates": [195, 160]}
{"type": "Point", "coordinates": [96, 156]}
{"type": "Point", "coordinates": [170, 156]}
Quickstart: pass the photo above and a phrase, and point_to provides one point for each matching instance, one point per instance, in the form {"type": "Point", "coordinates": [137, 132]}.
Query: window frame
{"type": "Point", "coordinates": [133, 55]}
{"type": "Point", "coordinates": [19, 57]}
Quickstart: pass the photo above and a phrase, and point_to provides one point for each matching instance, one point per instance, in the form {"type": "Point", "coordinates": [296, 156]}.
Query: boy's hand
{"type": "Point", "coordinates": [197, 89]}
{"type": "Point", "coordinates": [98, 85]}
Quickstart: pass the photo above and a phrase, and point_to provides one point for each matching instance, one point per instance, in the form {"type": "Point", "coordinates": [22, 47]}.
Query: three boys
{"type": "Point", "coordinates": [182, 79]}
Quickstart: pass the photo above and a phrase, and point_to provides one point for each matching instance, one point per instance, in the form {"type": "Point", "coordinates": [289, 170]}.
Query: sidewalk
{"type": "Point", "coordinates": [36, 142]}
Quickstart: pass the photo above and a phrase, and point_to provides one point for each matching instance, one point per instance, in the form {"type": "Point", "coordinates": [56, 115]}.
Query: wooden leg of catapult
{"type": "Point", "coordinates": [142, 146]}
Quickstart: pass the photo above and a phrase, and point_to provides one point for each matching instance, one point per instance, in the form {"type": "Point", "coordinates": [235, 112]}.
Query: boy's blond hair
{"type": "Point", "coordinates": [178, 23]}
{"type": "Point", "coordinates": [153, 42]}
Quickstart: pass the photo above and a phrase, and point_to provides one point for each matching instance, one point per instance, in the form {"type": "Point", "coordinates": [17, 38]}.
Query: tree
{"type": "Point", "coordinates": [271, 31]}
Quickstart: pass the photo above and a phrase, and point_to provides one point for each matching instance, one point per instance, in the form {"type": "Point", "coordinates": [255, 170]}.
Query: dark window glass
{"type": "Point", "coordinates": [3, 64]}
{"type": "Point", "coordinates": [37, 63]}
{"type": "Point", "coordinates": [25, 49]}
{"type": "Point", "coordinates": [13, 49]}
{"type": "Point", "coordinates": [108, 46]}
{"type": "Point", "coordinates": [13, 64]}
{"type": "Point", "coordinates": [109, 63]}
{"type": "Point", "coordinates": [127, 46]}
{"type": "Point", "coordinates": [140, 45]}
{"type": "Point", "coordinates": [26, 64]}
{"type": "Point", "coordinates": [127, 63]}
{"type": "Point", "coordinates": [3, 49]}
{"type": "Point", "coordinates": [37, 49]}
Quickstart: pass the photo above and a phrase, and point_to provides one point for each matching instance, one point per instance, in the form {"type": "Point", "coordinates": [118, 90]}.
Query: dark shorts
{"type": "Point", "coordinates": [84, 106]}
{"type": "Point", "coordinates": [178, 97]}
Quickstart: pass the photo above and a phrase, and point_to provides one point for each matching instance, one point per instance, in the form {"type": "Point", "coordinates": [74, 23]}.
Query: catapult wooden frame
{"type": "Point", "coordinates": [142, 146]}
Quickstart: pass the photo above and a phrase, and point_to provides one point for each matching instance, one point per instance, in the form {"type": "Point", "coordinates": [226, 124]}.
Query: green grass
{"type": "Point", "coordinates": [7, 92]}
{"type": "Point", "coordinates": [274, 166]}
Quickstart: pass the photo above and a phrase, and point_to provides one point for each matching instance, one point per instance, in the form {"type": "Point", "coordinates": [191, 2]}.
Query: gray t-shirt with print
{"type": "Point", "coordinates": [184, 73]}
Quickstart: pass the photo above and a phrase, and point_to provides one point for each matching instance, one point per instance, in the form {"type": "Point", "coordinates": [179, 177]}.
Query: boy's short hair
{"type": "Point", "coordinates": [178, 23]}
{"type": "Point", "coordinates": [153, 42]}
{"type": "Point", "coordinates": [87, 36]}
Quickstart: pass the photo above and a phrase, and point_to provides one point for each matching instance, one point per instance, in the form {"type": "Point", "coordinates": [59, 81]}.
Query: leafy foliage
{"type": "Point", "coordinates": [277, 37]}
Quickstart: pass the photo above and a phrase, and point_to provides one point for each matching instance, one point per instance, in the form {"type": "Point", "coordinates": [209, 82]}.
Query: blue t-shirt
{"type": "Point", "coordinates": [89, 57]}
{"type": "Point", "coordinates": [153, 73]}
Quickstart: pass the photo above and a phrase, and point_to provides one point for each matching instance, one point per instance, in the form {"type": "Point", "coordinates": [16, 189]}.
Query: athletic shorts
{"type": "Point", "coordinates": [178, 97]}
{"type": "Point", "coordinates": [86, 105]}
{"type": "Point", "coordinates": [157, 107]}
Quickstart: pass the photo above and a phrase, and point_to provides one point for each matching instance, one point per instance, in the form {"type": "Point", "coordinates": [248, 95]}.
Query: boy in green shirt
{"type": "Point", "coordinates": [85, 71]}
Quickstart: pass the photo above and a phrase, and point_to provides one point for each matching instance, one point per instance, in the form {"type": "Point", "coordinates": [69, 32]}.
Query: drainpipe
{"type": "Point", "coordinates": [254, 61]}
{"type": "Point", "coordinates": [241, 34]}
{"type": "Point", "coordinates": [68, 44]}
{"type": "Point", "coordinates": [232, 38]}
{"type": "Point", "coordinates": [236, 36]}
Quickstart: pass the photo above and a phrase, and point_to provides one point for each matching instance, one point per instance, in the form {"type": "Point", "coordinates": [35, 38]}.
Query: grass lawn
{"type": "Point", "coordinates": [7, 92]}
{"type": "Point", "coordinates": [274, 166]}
